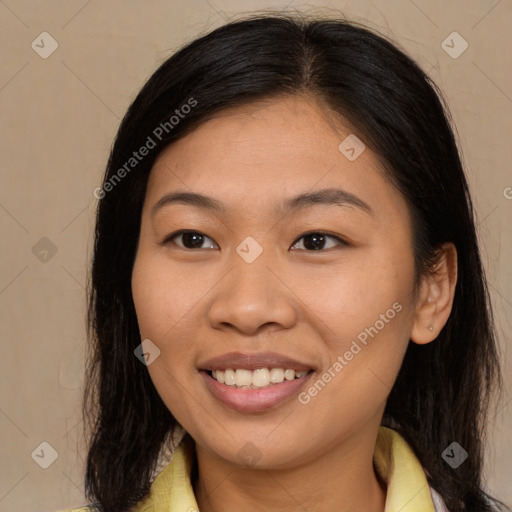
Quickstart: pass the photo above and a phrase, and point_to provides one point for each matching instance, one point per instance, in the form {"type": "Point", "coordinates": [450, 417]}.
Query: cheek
{"type": "Point", "coordinates": [353, 295]}
{"type": "Point", "coordinates": [161, 303]}
{"type": "Point", "coordinates": [366, 314]}
{"type": "Point", "coordinates": [365, 355]}
{"type": "Point", "coordinates": [167, 302]}
{"type": "Point", "coordinates": [163, 295]}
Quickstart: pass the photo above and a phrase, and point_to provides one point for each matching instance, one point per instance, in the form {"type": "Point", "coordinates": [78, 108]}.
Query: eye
{"type": "Point", "coordinates": [316, 241]}
{"type": "Point", "coordinates": [190, 240]}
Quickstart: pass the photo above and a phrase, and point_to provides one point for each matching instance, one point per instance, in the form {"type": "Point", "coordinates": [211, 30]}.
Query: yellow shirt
{"type": "Point", "coordinates": [395, 462]}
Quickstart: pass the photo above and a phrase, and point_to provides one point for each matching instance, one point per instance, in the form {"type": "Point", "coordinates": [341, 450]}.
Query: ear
{"type": "Point", "coordinates": [435, 297]}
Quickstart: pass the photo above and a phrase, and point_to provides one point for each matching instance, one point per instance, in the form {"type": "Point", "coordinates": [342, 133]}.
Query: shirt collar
{"type": "Point", "coordinates": [395, 463]}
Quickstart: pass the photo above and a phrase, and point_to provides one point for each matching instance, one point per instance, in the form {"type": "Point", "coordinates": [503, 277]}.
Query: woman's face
{"type": "Point", "coordinates": [298, 257]}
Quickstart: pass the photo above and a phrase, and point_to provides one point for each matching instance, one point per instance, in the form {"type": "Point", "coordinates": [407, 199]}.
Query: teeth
{"type": "Point", "coordinates": [276, 375]}
{"type": "Point", "coordinates": [289, 374]}
{"type": "Point", "coordinates": [260, 378]}
{"type": "Point", "coordinates": [242, 377]}
{"type": "Point", "coordinates": [229, 377]}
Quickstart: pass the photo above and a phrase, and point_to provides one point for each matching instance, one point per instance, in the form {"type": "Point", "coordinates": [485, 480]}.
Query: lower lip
{"type": "Point", "coordinates": [254, 400]}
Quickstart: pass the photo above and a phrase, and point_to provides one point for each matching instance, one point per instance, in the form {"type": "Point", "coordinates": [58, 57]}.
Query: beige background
{"type": "Point", "coordinates": [58, 119]}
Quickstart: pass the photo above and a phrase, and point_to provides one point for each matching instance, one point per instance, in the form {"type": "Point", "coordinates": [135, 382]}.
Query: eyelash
{"type": "Point", "coordinates": [341, 241]}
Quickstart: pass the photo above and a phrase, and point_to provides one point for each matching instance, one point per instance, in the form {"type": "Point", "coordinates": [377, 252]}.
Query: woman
{"type": "Point", "coordinates": [287, 285]}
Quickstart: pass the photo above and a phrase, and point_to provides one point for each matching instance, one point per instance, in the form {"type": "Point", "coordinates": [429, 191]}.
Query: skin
{"type": "Point", "coordinates": [198, 303]}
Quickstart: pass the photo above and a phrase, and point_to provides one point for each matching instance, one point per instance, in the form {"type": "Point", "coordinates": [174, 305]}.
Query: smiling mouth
{"type": "Point", "coordinates": [260, 378]}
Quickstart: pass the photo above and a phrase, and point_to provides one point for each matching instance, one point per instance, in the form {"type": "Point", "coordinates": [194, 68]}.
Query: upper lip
{"type": "Point", "coordinates": [253, 361]}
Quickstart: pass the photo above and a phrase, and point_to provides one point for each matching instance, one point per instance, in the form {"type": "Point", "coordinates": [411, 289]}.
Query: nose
{"type": "Point", "coordinates": [252, 297]}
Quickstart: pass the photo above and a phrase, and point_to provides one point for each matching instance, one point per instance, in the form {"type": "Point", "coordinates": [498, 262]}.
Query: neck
{"type": "Point", "coordinates": [342, 478]}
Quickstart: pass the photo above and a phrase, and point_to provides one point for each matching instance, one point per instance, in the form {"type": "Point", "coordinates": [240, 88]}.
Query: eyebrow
{"type": "Point", "coordinates": [326, 197]}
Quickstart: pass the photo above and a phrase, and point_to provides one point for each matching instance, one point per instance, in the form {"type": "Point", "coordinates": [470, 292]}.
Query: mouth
{"type": "Point", "coordinates": [261, 378]}
{"type": "Point", "coordinates": [251, 383]}
{"type": "Point", "coordinates": [250, 398]}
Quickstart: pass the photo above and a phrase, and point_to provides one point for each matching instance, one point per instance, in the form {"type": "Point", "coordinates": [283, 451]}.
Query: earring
{"type": "Point", "coordinates": [430, 328]}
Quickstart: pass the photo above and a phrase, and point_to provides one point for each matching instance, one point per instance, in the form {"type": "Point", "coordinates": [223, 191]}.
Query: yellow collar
{"type": "Point", "coordinates": [396, 464]}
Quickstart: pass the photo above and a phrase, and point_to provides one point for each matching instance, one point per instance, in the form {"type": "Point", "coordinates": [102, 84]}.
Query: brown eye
{"type": "Point", "coordinates": [189, 240]}
{"type": "Point", "coordinates": [316, 241]}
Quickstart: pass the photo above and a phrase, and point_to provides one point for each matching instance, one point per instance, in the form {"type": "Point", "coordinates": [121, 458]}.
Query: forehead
{"type": "Point", "coordinates": [262, 133]}
{"type": "Point", "coordinates": [272, 149]}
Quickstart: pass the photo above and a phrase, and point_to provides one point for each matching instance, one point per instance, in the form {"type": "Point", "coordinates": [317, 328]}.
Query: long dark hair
{"type": "Point", "coordinates": [442, 391]}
